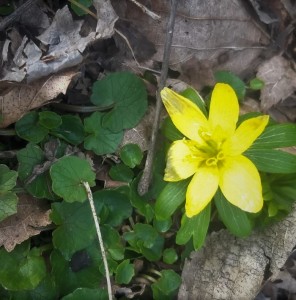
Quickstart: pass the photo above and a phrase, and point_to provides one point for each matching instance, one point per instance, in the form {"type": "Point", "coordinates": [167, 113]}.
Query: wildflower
{"type": "Point", "coordinates": [213, 151]}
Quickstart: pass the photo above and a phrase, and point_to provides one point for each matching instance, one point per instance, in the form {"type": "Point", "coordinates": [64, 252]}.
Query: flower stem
{"type": "Point", "coordinates": [93, 210]}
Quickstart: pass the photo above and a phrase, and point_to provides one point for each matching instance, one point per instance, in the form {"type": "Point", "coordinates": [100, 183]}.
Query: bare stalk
{"type": "Point", "coordinates": [96, 220]}
{"type": "Point", "coordinates": [147, 173]}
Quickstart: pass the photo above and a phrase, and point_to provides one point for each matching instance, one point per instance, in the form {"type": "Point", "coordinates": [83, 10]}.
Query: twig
{"type": "Point", "coordinates": [147, 173]}
{"type": "Point", "coordinates": [147, 11]}
{"type": "Point", "coordinates": [93, 210]}
{"type": "Point", "coordinates": [16, 15]}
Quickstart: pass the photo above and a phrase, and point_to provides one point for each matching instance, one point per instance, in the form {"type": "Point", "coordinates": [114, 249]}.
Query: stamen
{"type": "Point", "coordinates": [211, 161]}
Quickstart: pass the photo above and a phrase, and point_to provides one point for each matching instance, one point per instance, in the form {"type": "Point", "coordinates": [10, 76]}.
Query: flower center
{"type": "Point", "coordinates": [212, 148]}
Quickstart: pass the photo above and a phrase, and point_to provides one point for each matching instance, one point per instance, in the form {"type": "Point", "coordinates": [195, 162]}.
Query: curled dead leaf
{"type": "Point", "coordinates": [22, 98]}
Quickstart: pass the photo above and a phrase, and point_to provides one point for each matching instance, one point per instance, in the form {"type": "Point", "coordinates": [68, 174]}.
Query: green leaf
{"type": "Point", "coordinates": [171, 197]}
{"type": "Point", "coordinates": [166, 288]}
{"type": "Point", "coordinates": [121, 172]}
{"type": "Point", "coordinates": [234, 81]}
{"type": "Point", "coordinates": [71, 130]}
{"type": "Point", "coordinates": [8, 204]}
{"type": "Point", "coordinates": [7, 178]}
{"type": "Point", "coordinates": [49, 119]}
{"type": "Point", "coordinates": [88, 294]}
{"type": "Point", "coordinates": [75, 229]}
{"type": "Point", "coordinates": [78, 11]}
{"type": "Point", "coordinates": [46, 290]}
{"type": "Point", "coordinates": [235, 219]}
{"type": "Point", "coordinates": [196, 98]}
{"type": "Point", "coordinates": [272, 161]}
{"type": "Point", "coordinates": [127, 93]}
{"type": "Point", "coordinates": [8, 199]}
{"type": "Point", "coordinates": [276, 136]}
{"type": "Point", "coordinates": [28, 159]}
{"type": "Point", "coordinates": [170, 256]}
{"type": "Point", "coordinates": [170, 131]}
{"type": "Point", "coordinates": [29, 129]}
{"type": "Point", "coordinates": [196, 226]}
{"type": "Point", "coordinates": [21, 269]}
{"type": "Point", "coordinates": [131, 155]}
{"type": "Point", "coordinates": [256, 84]}
{"type": "Point", "coordinates": [100, 140]}
{"type": "Point", "coordinates": [67, 175]}
{"type": "Point", "coordinates": [139, 202]}
{"type": "Point", "coordinates": [146, 240]}
{"type": "Point", "coordinates": [118, 206]}
{"type": "Point", "coordinates": [68, 279]}
{"type": "Point", "coordinates": [124, 272]}
{"type": "Point", "coordinates": [112, 242]}
{"type": "Point", "coordinates": [162, 225]}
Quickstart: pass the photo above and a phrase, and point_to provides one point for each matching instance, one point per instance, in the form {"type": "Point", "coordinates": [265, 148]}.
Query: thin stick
{"type": "Point", "coordinates": [93, 210]}
{"type": "Point", "coordinates": [147, 11]}
{"type": "Point", "coordinates": [147, 173]}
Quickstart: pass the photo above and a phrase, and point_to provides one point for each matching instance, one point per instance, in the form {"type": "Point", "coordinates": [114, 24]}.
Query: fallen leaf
{"type": "Point", "coordinates": [219, 34]}
{"type": "Point", "coordinates": [31, 216]}
{"type": "Point", "coordinates": [280, 81]}
{"type": "Point", "coordinates": [64, 42]}
{"type": "Point", "coordinates": [22, 98]}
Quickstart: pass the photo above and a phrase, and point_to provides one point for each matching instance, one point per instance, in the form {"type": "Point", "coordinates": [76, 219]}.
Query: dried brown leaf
{"type": "Point", "coordinates": [32, 214]}
{"type": "Point", "coordinates": [220, 34]}
{"type": "Point", "coordinates": [22, 98]}
{"type": "Point", "coordinates": [280, 81]}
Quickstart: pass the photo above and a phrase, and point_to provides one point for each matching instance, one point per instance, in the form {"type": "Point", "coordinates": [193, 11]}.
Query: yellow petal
{"type": "Point", "coordinates": [201, 190]}
{"type": "Point", "coordinates": [183, 160]}
{"type": "Point", "coordinates": [240, 183]}
{"type": "Point", "coordinates": [224, 109]}
{"type": "Point", "coordinates": [186, 116]}
{"type": "Point", "coordinates": [245, 135]}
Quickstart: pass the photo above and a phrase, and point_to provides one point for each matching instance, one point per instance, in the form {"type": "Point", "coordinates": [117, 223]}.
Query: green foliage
{"type": "Point", "coordinates": [127, 95]}
{"type": "Point", "coordinates": [171, 197]}
{"type": "Point", "coordinates": [75, 229]}
{"type": "Point", "coordinates": [195, 227]}
{"type": "Point", "coordinates": [30, 158]}
{"type": "Point", "coordinates": [124, 272]}
{"type": "Point", "coordinates": [69, 173]}
{"type": "Point", "coordinates": [170, 256]}
{"type": "Point", "coordinates": [272, 161]}
{"type": "Point", "coordinates": [131, 155]}
{"type": "Point", "coordinates": [235, 219]}
{"type": "Point", "coordinates": [89, 294]}
{"type": "Point", "coordinates": [196, 98]}
{"type": "Point", "coordinates": [99, 139]}
{"type": "Point", "coordinates": [80, 12]}
{"type": "Point", "coordinates": [146, 240]}
{"type": "Point", "coordinates": [167, 286]}
{"type": "Point", "coordinates": [121, 172]}
{"type": "Point", "coordinates": [256, 84]}
{"type": "Point", "coordinates": [29, 128]}
{"type": "Point", "coordinates": [71, 130]}
{"type": "Point", "coordinates": [21, 269]}
{"type": "Point", "coordinates": [115, 205]}
{"type": "Point", "coordinates": [49, 119]}
{"type": "Point", "coordinates": [8, 198]}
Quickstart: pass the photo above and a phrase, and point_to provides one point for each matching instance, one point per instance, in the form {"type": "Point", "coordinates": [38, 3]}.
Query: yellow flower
{"type": "Point", "coordinates": [213, 151]}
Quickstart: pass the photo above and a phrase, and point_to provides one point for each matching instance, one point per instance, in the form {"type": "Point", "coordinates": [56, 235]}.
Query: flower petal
{"type": "Point", "coordinates": [240, 183]}
{"type": "Point", "coordinates": [183, 160]}
{"type": "Point", "coordinates": [224, 109]}
{"type": "Point", "coordinates": [201, 190]}
{"type": "Point", "coordinates": [186, 116]}
{"type": "Point", "coordinates": [245, 135]}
